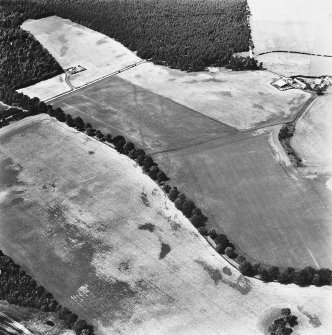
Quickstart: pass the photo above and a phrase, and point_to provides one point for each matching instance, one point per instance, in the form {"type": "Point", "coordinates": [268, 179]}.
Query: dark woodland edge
{"type": "Point", "coordinates": [30, 107]}
{"type": "Point", "coordinates": [20, 289]}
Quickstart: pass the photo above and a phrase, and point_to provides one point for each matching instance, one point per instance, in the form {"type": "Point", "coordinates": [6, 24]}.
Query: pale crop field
{"type": "Point", "coordinates": [47, 89]}
{"type": "Point", "coordinates": [101, 236]}
{"type": "Point", "coordinates": [242, 100]}
{"type": "Point", "coordinates": [297, 25]}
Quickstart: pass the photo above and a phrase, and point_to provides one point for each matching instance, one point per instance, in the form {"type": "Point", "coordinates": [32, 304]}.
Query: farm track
{"type": "Point", "coordinates": [293, 52]}
{"type": "Point", "coordinates": [73, 89]}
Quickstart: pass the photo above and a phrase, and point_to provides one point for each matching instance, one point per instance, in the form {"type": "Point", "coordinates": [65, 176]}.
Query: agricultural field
{"type": "Point", "coordinates": [241, 100]}
{"type": "Point", "coordinates": [47, 89]}
{"type": "Point", "coordinates": [313, 139]}
{"type": "Point", "coordinates": [102, 237]}
{"type": "Point", "coordinates": [271, 213]}
{"type": "Point", "coordinates": [281, 25]}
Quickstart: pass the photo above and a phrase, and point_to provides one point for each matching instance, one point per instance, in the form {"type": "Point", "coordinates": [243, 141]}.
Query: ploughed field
{"type": "Point", "coordinates": [102, 237]}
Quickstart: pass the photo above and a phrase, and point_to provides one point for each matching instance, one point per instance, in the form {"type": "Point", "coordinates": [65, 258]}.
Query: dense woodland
{"type": "Point", "coordinates": [183, 34]}
{"type": "Point", "coordinates": [23, 61]}
{"type": "Point", "coordinates": [19, 288]}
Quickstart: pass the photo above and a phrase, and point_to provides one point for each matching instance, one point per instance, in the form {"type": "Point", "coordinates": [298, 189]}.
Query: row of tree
{"type": "Point", "coordinates": [303, 277]}
{"type": "Point", "coordinates": [187, 35]}
{"type": "Point", "coordinates": [19, 288]}
{"type": "Point", "coordinates": [285, 135]}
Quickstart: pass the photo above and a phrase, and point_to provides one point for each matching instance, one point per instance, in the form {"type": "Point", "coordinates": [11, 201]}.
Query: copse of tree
{"type": "Point", "coordinates": [283, 325]}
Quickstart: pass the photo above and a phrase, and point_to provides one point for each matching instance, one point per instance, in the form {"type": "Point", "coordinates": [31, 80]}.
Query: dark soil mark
{"type": "Point", "coordinates": [91, 152]}
{"type": "Point", "coordinates": [215, 274]}
{"type": "Point", "coordinates": [242, 285]}
{"type": "Point", "coordinates": [9, 172]}
{"type": "Point", "coordinates": [165, 249]}
{"type": "Point", "coordinates": [258, 106]}
{"type": "Point", "coordinates": [227, 271]}
{"type": "Point", "coordinates": [17, 201]}
{"type": "Point", "coordinates": [147, 226]}
{"type": "Point", "coordinates": [145, 200]}
{"type": "Point", "coordinates": [313, 319]}
{"type": "Point", "coordinates": [124, 266]}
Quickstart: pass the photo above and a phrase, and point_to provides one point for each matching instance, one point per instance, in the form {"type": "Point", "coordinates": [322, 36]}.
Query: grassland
{"type": "Point", "coordinates": [281, 25]}
{"type": "Point", "coordinates": [91, 227]}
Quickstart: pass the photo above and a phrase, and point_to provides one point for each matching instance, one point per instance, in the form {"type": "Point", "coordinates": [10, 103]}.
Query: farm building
{"type": "Point", "coordinates": [281, 84]}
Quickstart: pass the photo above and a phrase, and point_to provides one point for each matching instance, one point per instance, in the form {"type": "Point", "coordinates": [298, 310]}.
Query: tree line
{"type": "Point", "coordinates": [285, 135]}
{"type": "Point", "coordinates": [19, 288]}
{"type": "Point", "coordinates": [186, 35]}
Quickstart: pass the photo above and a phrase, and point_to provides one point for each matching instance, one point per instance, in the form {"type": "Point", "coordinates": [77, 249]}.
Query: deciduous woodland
{"type": "Point", "coordinates": [187, 35]}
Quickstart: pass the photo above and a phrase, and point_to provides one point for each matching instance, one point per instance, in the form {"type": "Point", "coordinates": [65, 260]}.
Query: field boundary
{"type": "Point", "coordinates": [94, 81]}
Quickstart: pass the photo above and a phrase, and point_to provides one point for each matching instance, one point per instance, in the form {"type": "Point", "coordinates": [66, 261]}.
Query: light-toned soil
{"type": "Point", "coordinates": [288, 64]}
{"type": "Point", "coordinates": [72, 44]}
{"type": "Point", "coordinates": [91, 227]}
{"type": "Point", "coordinates": [313, 138]}
{"type": "Point", "coordinates": [47, 89]}
{"type": "Point", "coordinates": [297, 25]}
